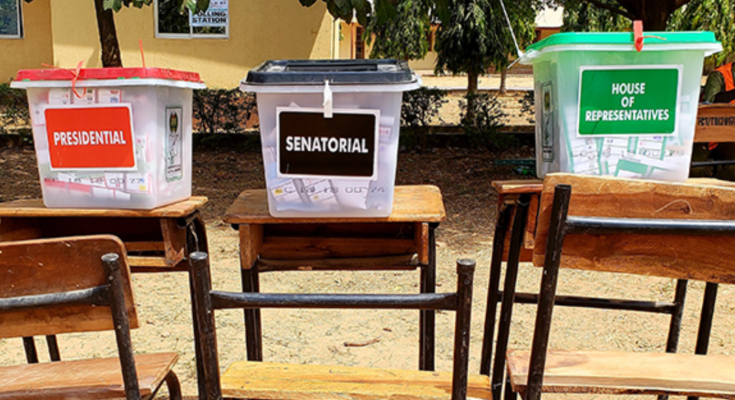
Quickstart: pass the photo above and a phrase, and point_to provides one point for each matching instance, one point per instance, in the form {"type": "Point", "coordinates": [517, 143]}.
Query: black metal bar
{"type": "Point", "coordinates": [492, 289]}
{"type": "Point", "coordinates": [29, 345]}
{"type": "Point", "coordinates": [185, 222]}
{"type": "Point", "coordinates": [698, 164]}
{"type": "Point", "coordinates": [672, 342]}
{"type": "Point", "coordinates": [509, 393]}
{"type": "Point", "coordinates": [659, 307]}
{"type": "Point", "coordinates": [426, 301]}
{"type": "Point", "coordinates": [465, 275]}
{"type": "Point", "coordinates": [705, 321]}
{"type": "Point", "coordinates": [192, 244]}
{"type": "Point", "coordinates": [205, 326]}
{"type": "Point", "coordinates": [94, 296]}
{"type": "Point", "coordinates": [111, 263]}
{"type": "Point", "coordinates": [509, 289]}
{"type": "Point", "coordinates": [603, 226]}
{"type": "Point", "coordinates": [253, 331]}
{"type": "Point", "coordinates": [53, 348]}
{"type": "Point", "coordinates": [545, 311]}
{"type": "Point", "coordinates": [427, 318]}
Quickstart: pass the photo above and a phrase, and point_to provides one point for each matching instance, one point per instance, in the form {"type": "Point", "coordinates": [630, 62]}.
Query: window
{"type": "Point", "coordinates": [171, 23]}
{"type": "Point", "coordinates": [11, 21]}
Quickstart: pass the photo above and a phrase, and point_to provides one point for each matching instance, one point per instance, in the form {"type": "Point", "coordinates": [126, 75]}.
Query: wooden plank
{"type": "Point", "coordinates": [530, 234]}
{"type": "Point", "coordinates": [715, 123]}
{"type": "Point", "coordinates": [144, 246]}
{"type": "Point", "coordinates": [404, 230]}
{"type": "Point", "coordinates": [421, 236]}
{"type": "Point", "coordinates": [518, 186]}
{"type": "Point", "coordinates": [629, 373]}
{"type": "Point", "coordinates": [98, 378]}
{"type": "Point", "coordinates": [152, 261]}
{"type": "Point", "coordinates": [251, 243]}
{"type": "Point", "coordinates": [18, 229]}
{"type": "Point", "coordinates": [174, 241]}
{"type": "Point", "coordinates": [271, 381]}
{"type": "Point", "coordinates": [35, 208]}
{"type": "Point", "coordinates": [57, 265]}
{"type": "Point", "coordinates": [294, 248]}
{"type": "Point", "coordinates": [421, 203]}
{"type": "Point", "coordinates": [702, 258]}
{"type": "Point", "coordinates": [408, 261]}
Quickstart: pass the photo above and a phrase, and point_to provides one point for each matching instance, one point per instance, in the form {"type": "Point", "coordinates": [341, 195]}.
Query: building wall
{"type": "Point", "coordinates": [347, 41]}
{"type": "Point", "coordinates": [259, 30]}
{"type": "Point", "coordinates": [34, 48]}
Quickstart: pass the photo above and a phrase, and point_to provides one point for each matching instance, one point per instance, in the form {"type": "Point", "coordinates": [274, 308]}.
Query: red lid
{"type": "Point", "coordinates": [62, 74]}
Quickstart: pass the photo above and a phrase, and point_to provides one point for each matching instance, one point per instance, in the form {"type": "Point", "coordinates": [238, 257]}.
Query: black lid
{"type": "Point", "coordinates": [337, 72]}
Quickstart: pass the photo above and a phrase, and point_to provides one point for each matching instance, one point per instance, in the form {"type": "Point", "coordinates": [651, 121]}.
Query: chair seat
{"type": "Point", "coordinates": [99, 378]}
{"type": "Point", "coordinates": [628, 373]}
{"type": "Point", "coordinates": [271, 381]}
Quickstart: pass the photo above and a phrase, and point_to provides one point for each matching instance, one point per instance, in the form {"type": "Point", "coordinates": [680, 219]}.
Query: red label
{"type": "Point", "coordinates": [90, 137]}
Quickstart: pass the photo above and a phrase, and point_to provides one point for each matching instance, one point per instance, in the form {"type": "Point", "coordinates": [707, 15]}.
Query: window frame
{"type": "Point", "coordinates": [191, 34]}
{"type": "Point", "coordinates": [20, 21]}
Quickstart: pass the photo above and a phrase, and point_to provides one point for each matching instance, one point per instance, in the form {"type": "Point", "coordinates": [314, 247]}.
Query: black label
{"type": "Point", "coordinates": [343, 145]}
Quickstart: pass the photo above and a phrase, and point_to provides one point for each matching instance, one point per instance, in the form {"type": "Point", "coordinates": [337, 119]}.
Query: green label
{"type": "Point", "coordinates": [617, 101]}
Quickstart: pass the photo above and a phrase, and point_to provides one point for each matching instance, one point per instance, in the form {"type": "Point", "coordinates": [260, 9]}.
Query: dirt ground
{"type": "Point", "coordinates": [319, 337]}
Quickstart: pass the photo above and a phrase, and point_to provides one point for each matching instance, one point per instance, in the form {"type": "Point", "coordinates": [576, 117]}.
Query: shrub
{"type": "Point", "coordinates": [419, 108]}
{"type": "Point", "coordinates": [528, 107]}
{"type": "Point", "coordinates": [13, 108]}
{"type": "Point", "coordinates": [482, 121]}
{"type": "Point", "coordinates": [223, 110]}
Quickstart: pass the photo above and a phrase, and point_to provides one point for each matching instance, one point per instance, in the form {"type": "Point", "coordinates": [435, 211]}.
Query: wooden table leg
{"type": "Point", "coordinates": [427, 318]}
{"type": "Point", "coordinates": [251, 240]}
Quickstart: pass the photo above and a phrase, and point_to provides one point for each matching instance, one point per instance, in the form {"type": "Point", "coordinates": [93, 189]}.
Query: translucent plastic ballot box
{"type": "Point", "coordinates": [605, 108]}
{"type": "Point", "coordinates": [111, 137]}
{"type": "Point", "coordinates": [329, 130]}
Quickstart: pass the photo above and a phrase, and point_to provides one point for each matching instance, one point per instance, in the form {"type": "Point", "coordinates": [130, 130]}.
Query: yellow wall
{"type": "Point", "coordinates": [34, 48]}
{"type": "Point", "coordinates": [259, 30]}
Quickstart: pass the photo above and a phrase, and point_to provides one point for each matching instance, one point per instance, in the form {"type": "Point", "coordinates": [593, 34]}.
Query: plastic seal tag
{"type": "Point", "coordinates": [327, 103]}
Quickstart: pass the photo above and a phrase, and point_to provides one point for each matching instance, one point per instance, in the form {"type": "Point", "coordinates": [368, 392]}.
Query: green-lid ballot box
{"type": "Point", "coordinates": [604, 108]}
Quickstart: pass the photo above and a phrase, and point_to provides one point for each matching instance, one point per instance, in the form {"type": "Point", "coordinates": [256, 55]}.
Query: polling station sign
{"type": "Point", "coordinates": [343, 146]}
{"type": "Point", "coordinates": [90, 138]}
{"type": "Point", "coordinates": [628, 100]}
{"type": "Point", "coordinates": [216, 15]}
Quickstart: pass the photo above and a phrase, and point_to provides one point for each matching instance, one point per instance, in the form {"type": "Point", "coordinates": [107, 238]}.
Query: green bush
{"type": "Point", "coordinates": [223, 110]}
{"type": "Point", "coordinates": [419, 108]}
{"type": "Point", "coordinates": [13, 108]}
{"type": "Point", "coordinates": [528, 107]}
{"type": "Point", "coordinates": [482, 121]}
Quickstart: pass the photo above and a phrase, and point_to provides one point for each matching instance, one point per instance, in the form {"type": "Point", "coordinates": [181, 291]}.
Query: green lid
{"type": "Point", "coordinates": [624, 38]}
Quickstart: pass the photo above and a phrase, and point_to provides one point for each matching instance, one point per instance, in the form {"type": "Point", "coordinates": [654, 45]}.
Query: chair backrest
{"type": "Point", "coordinates": [61, 268]}
{"type": "Point", "coordinates": [700, 257]}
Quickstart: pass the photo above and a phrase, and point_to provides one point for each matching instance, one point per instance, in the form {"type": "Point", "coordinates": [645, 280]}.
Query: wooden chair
{"type": "Point", "coordinates": [270, 381]}
{"type": "Point", "coordinates": [76, 284]}
{"type": "Point", "coordinates": [635, 227]}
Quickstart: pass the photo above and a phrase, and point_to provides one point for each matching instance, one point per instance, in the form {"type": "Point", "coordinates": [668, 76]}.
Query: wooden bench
{"type": "Point", "coordinates": [672, 230]}
{"type": "Point", "coordinates": [80, 284]}
{"type": "Point", "coordinates": [259, 380]}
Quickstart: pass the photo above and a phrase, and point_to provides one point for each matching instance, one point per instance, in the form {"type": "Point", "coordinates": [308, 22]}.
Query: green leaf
{"type": "Point", "coordinates": [307, 3]}
{"type": "Point", "coordinates": [115, 5]}
{"type": "Point", "coordinates": [202, 5]}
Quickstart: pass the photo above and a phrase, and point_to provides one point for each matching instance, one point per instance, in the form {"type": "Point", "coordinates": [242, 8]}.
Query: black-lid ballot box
{"type": "Point", "coordinates": [329, 130]}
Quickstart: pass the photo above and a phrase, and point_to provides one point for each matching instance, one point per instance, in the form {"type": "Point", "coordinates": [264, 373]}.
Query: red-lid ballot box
{"type": "Point", "coordinates": [112, 137]}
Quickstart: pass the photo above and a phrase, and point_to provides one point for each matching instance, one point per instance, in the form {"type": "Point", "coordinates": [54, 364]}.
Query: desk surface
{"type": "Point", "coordinates": [410, 204]}
{"type": "Point", "coordinates": [35, 208]}
{"type": "Point", "coordinates": [535, 186]}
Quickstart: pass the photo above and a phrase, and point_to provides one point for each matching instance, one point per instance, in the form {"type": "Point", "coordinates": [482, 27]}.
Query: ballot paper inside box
{"type": "Point", "coordinates": [112, 137]}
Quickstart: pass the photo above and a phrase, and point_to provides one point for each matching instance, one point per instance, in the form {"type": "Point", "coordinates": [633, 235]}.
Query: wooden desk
{"type": "Point", "coordinates": [405, 240]}
{"type": "Point", "coordinates": [515, 242]}
{"type": "Point", "coordinates": [715, 123]}
{"type": "Point", "coordinates": [156, 240]}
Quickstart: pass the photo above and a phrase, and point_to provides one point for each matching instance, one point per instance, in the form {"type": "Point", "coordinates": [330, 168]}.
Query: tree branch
{"type": "Point", "coordinates": [612, 9]}
{"type": "Point", "coordinates": [679, 3]}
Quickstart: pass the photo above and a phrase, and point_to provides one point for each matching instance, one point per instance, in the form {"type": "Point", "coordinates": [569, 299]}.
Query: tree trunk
{"type": "Point", "coordinates": [108, 36]}
{"type": "Point", "coordinates": [653, 13]}
{"type": "Point", "coordinates": [472, 78]}
{"type": "Point", "coordinates": [503, 77]}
